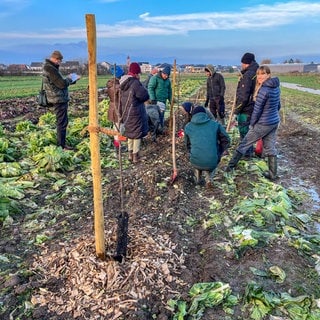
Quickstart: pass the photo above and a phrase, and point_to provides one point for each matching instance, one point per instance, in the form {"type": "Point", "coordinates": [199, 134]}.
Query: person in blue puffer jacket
{"type": "Point", "coordinates": [264, 121]}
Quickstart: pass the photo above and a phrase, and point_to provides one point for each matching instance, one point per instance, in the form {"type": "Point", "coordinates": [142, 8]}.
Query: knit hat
{"type": "Point", "coordinates": [117, 72]}
{"type": "Point", "coordinates": [187, 106]}
{"type": "Point", "coordinates": [134, 68]}
{"type": "Point", "coordinates": [198, 109]}
{"type": "Point", "coordinates": [57, 55]}
{"type": "Point", "coordinates": [166, 70]}
{"type": "Point", "coordinates": [247, 58]}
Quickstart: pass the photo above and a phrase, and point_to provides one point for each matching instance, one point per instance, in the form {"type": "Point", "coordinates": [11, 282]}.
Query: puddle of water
{"type": "Point", "coordinates": [315, 197]}
{"type": "Point", "coordinates": [299, 87]}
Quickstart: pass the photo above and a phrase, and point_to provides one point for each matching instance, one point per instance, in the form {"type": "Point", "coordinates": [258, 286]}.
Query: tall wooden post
{"type": "Point", "coordinates": [94, 138]}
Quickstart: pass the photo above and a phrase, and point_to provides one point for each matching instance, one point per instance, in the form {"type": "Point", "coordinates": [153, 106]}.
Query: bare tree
{"type": "Point", "coordinates": [266, 61]}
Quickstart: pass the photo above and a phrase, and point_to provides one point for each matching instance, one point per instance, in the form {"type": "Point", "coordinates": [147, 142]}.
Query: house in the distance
{"type": "Point", "coordinates": [36, 66]}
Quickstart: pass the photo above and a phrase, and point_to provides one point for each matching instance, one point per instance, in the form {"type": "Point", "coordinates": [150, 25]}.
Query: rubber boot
{"type": "Point", "coordinates": [273, 168]}
{"type": "Point", "coordinates": [197, 176]}
{"type": "Point", "coordinates": [136, 157]}
{"type": "Point", "coordinates": [130, 155]}
{"type": "Point", "coordinates": [207, 177]}
{"type": "Point", "coordinates": [234, 161]}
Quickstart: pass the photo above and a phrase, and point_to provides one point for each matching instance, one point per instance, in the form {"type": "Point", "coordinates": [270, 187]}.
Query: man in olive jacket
{"type": "Point", "coordinates": [56, 87]}
{"type": "Point", "coordinates": [206, 141]}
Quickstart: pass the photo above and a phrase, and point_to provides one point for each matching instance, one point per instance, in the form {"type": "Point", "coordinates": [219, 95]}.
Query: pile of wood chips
{"type": "Point", "coordinates": [95, 289]}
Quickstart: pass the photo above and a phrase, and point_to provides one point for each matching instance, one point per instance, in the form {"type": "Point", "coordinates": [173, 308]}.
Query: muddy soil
{"type": "Point", "coordinates": [167, 250]}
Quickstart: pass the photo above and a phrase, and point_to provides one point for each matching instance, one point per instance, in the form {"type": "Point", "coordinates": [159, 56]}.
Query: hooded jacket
{"type": "Point", "coordinates": [215, 84]}
{"type": "Point", "coordinates": [206, 140]}
{"type": "Point", "coordinates": [245, 89]}
{"type": "Point", "coordinates": [54, 84]}
{"type": "Point", "coordinates": [132, 110]}
{"type": "Point", "coordinates": [267, 104]}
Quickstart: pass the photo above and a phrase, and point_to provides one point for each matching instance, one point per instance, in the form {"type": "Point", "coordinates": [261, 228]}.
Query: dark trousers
{"type": "Point", "coordinates": [61, 111]}
{"type": "Point", "coordinates": [217, 107]}
{"type": "Point", "coordinates": [243, 126]}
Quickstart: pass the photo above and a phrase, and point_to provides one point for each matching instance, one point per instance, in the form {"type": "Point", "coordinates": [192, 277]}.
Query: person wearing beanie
{"type": "Point", "coordinates": [133, 116]}
{"type": "Point", "coordinates": [215, 93]}
{"type": "Point", "coordinates": [247, 58]}
{"type": "Point", "coordinates": [187, 108]}
{"type": "Point", "coordinates": [160, 90]}
{"type": "Point", "coordinates": [56, 88]}
{"type": "Point", "coordinates": [206, 140]}
{"type": "Point", "coordinates": [116, 71]}
{"type": "Point", "coordinates": [112, 90]}
{"type": "Point", "coordinates": [244, 101]}
{"type": "Point", "coordinates": [134, 69]}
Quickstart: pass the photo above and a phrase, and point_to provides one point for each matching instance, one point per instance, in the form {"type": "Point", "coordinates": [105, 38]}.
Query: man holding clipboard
{"type": "Point", "coordinates": [56, 87]}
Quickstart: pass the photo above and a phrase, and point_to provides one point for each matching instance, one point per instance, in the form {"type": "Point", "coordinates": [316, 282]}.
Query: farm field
{"type": "Point", "coordinates": [248, 249]}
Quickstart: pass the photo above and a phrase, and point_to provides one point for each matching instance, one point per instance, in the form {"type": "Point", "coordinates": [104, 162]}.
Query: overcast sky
{"type": "Point", "coordinates": [203, 31]}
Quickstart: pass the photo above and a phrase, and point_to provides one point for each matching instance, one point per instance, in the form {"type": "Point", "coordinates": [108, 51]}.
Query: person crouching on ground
{"type": "Point", "coordinates": [132, 110]}
{"type": "Point", "coordinates": [264, 121]}
{"type": "Point", "coordinates": [206, 140]}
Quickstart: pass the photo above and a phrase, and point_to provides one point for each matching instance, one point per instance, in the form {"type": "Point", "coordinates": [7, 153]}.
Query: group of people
{"type": "Point", "coordinates": [257, 112]}
{"type": "Point", "coordinates": [130, 99]}
{"type": "Point", "coordinates": [257, 106]}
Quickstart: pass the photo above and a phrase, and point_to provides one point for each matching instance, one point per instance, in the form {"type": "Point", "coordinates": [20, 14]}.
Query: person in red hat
{"type": "Point", "coordinates": [133, 115]}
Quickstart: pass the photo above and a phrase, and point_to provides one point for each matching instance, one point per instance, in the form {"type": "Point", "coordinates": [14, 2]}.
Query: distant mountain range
{"type": "Point", "coordinates": [25, 54]}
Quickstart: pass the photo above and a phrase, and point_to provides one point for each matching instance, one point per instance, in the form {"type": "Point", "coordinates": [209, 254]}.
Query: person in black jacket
{"type": "Point", "coordinates": [244, 95]}
{"type": "Point", "coordinates": [264, 121]}
{"type": "Point", "coordinates": [56, 87]}
{"type": "Point", "coordinates": [133, 115]}
{"type": "Point", "coordinates": [215, 93]}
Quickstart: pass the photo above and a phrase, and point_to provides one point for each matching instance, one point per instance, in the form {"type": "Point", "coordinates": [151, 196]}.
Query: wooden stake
{"type": "Point", "coordinates": [173, 117]}
{"type": "Point", "coordinates": [173, 86]}
{"type": "Point", "coordinates": [94, 138]}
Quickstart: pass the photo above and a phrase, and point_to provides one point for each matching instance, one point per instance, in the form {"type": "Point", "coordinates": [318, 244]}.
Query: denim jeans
{"type": "Point", "coordinates": [268, 135]}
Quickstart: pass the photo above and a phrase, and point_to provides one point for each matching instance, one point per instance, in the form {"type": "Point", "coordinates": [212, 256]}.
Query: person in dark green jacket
{"type": "Point", "coordinates": [206, 140]}
{"type": "Point", "coordinates": [160, 90]}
